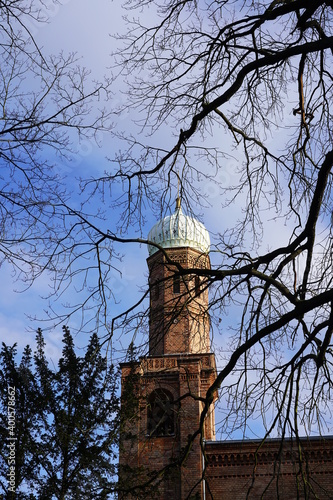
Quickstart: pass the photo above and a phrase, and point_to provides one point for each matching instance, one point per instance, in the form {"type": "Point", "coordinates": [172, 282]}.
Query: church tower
{"type": "Point", "coordinates": [161, 393]}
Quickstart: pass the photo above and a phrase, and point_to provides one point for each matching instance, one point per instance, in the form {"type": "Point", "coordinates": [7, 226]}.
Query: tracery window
{"type": "Point", "coordinates": [161, 414]}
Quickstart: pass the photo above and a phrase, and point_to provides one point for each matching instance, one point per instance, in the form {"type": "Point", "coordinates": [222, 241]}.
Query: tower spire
{"type": "Point", "coordinates": [178, 199]}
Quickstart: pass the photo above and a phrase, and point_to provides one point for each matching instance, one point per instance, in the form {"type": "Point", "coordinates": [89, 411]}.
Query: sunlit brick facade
{"type": "Point", "coordinates": [161, 393]}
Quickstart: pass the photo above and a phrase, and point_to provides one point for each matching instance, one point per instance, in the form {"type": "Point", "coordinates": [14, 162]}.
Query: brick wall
{"type": "Point", "coordinates": [185, 377]}
{"type": "Point", "coordinates": [245, 470]}
{"type": "Point", "coordinates": [179, 322]}
{"type": "Point", "coordinates": [180, 364]}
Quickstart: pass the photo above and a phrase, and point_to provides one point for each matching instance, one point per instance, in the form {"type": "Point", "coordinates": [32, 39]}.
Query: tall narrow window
{"type": "Point", "coordinates": [197, 285]}
{"type": "Point", "coordinates": [161, 417]}
{"type": "Point", "coordinates": [156, 290]}
{"type": "Point", "coordinates": [176, 284]}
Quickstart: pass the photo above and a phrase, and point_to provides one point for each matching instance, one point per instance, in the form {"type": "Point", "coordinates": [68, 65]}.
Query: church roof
{"type": "Point", "coordinates": [179, 230]}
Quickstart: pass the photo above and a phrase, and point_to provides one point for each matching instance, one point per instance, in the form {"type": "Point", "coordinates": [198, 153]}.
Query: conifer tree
{"type": "Point", "coordinates": [66, 422]}
{"type": "Point", "coordinates": [18, 423]}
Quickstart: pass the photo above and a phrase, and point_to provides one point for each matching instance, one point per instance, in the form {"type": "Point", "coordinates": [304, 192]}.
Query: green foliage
{"type": "Point", "coordinates": [66, 423]}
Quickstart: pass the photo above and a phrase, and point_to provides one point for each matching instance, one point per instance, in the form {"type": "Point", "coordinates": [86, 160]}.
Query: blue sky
{"type": "Point", "coordinates": [87, 27]}
{"type": "Point", "coordinates": [84, 27]}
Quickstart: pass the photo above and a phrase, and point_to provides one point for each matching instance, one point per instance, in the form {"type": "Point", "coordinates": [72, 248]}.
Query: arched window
{"type": "Point", "coordinates": [161, 415]}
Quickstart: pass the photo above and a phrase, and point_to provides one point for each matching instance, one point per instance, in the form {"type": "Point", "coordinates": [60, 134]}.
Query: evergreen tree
{"type": "Point", "coordinates": [66, 422]}
{"type": "Point", "coordinates": [18, 423]}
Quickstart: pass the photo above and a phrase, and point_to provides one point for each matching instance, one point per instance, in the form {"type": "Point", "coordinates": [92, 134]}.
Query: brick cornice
{"type": "Point", "coordinates": [242, 453]}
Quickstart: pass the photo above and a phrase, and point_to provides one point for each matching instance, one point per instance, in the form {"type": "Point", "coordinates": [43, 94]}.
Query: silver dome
{"type": "Point", "coordinates": [179, 230]}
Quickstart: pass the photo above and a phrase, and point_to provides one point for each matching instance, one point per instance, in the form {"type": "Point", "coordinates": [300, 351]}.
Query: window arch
{"type": "Point", "coordinates": [160, 415]}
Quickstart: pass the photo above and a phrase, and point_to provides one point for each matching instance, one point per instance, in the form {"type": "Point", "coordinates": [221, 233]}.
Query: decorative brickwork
{"type": "Point", "coordinates": [178, 370]}
{"type": "Point", "coordinates": [239, 470]}
{"type": "Point", "coordinates": [179, 320]}
{"type": "Point", "coordinates": [161, 409]}
{"type": "Point", "coordinates": [185, 377]}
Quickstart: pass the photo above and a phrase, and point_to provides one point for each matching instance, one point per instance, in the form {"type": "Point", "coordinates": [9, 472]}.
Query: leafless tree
{"type": "Point", "coordinates": [256, 78]}
{"type": "Point", "coordinates": [253, 80]}
{"type": "Point", "coordinates": [48, 105]}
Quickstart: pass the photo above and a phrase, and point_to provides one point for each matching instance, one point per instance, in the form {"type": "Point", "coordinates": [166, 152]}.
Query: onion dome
{"type": "Point", "coordinates": [179, 230]}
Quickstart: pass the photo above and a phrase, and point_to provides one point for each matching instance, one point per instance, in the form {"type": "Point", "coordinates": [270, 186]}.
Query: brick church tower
{"type": "Point", "coordinates": [160, 393]}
